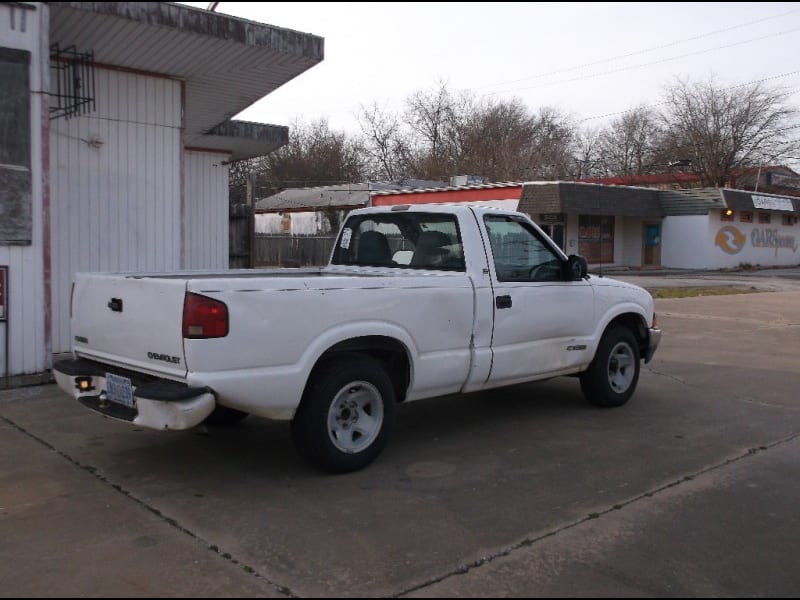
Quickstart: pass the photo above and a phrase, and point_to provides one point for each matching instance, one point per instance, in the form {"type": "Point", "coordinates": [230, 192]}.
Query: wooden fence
{"type": "Point", "coordinates": [240, 236]}
{"type": "Point", "coordinates": [292, 250]}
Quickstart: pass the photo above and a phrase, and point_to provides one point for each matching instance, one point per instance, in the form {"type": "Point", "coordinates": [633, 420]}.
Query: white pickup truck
{"type": "Point", "coordinates": [416, 302]}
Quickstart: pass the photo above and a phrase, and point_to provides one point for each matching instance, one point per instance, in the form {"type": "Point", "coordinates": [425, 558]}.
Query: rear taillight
{"type": "Point", "coordinates": [204, 317]}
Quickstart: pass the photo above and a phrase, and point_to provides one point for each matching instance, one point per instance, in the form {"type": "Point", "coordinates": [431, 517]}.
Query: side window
{"type": "Point", "coordinates": [408, 240]}
{"type": "Point", "coordinates": [519, 253]}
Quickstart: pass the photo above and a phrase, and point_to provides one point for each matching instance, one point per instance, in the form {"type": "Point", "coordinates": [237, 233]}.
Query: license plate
{"type": "Point", "coordinates": [119, 390]}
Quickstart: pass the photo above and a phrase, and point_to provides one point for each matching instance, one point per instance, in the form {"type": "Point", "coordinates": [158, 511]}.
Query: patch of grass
{"type": "Point", "coordinates": [691, 292]}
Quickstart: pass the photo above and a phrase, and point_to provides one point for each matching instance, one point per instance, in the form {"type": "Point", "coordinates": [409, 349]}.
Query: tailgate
{"type": "Point", "coordinates": [130, 321]}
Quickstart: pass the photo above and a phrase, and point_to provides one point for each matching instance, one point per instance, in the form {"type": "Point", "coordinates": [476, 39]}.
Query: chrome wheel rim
{"type": "Point", "coordinates": [621, 367]}
{"type": "Point", "coordinates": [355, 417]}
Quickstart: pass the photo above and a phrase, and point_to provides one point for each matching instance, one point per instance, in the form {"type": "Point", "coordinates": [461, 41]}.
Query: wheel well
{"type": "Point", "coordinates": [635, 323]}
{"type": "Point", "coordinates": [388, 351]}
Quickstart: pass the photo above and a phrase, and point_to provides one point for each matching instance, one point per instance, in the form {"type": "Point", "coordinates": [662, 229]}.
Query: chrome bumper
{"type": "Point", "coordinates": [162, 404]}
{"type": "Point", "coordinates": [654, 338]}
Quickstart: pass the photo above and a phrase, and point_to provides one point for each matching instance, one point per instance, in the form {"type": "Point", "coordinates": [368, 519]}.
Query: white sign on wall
{"type": "Point", "coordinates": [772, 203]}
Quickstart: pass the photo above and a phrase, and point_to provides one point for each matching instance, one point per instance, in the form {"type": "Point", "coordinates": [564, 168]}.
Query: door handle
{"type": "Point", "coordinates": [115, 304]}
{"type": "Point", "coordinates": [503, 302]}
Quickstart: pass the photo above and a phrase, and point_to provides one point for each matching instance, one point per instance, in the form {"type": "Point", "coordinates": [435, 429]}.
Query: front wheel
{"type": "Point", "coordinates": [611, 378]}
{"type": "Point", "coordinates": [343, 421]}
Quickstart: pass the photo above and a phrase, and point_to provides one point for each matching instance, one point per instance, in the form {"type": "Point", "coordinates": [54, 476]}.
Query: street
{"type": "Point", "coordinates": [689, 490]}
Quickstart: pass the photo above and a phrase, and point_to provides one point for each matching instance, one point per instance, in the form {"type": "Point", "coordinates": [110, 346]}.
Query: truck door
{"type": "Point", "coordinates": [542, 322]}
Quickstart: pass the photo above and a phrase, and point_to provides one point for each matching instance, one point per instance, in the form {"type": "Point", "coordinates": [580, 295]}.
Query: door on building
{"type": "Point", "coordinates": [652, 245]}
{"type": "Point", "coordinates": [556, 233]}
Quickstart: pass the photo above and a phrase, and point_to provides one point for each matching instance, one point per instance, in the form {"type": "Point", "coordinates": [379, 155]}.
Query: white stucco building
{"type": "Point", "coordinates": [115, 136]}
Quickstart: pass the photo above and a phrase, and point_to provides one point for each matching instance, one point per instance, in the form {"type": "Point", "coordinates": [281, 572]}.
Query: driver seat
{"type": "Point", "coordinates": [429, 250]}
{"type": "Point", "coordinates": [373, 249]}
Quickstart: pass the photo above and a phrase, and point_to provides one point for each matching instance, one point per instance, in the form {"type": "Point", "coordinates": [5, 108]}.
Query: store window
{"type": "Point", "coordinates": [15, 149]}
{"type": "Point", "coordinates": [596, 238]}
{"type": "Point", "coordinates": [746, 216]}
{"type": "Point", "coordinates": [764, 218]}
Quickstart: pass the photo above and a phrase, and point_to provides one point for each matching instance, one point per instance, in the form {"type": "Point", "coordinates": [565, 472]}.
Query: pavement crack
{"type": "Point", "coordinates": [669, 376]}
{"type": "Point", "coordinates": [97, 473]}
{"type": "Point", "coordinates": [734, 395]}
{"type": "Point", "coordinates": [465, 568]}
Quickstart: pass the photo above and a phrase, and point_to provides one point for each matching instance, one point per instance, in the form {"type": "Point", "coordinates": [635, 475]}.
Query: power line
{"type": "Point", "coordinates": [641, 65]}
{"type": "Point", "coordinates": [732, 87]}
{"type": "Point", "coordinates": [637, 52]}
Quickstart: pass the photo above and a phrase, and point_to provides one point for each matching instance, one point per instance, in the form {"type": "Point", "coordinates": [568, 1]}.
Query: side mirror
{"type": "Point", "coordinates": [577, 267]}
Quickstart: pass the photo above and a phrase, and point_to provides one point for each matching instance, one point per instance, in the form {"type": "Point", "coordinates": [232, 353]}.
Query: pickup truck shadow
{"type": "Point", "coordinates": [264, 448]}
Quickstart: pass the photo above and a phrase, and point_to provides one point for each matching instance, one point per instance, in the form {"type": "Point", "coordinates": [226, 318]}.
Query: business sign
{"type": "Point", "coordinates": [772, 203]}
{"type": "Point", "coordinates": [730, 239]}
{"type": "Point", "coordinates": [770, 238]}
{"type": "Point", "coordinates": [3, 291]}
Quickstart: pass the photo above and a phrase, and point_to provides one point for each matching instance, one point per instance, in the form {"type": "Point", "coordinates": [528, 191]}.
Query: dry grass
{"type": "Point", "coordinates": [691, 292]}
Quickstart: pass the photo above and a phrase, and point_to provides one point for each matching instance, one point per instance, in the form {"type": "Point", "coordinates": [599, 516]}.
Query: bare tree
{"type": "Point", "coordinates": [721, 129]}
{"type": "Point", "coordinates": [315, 155]}
{"type": "Point", "coordinates": [386, 144]}
{"type": "Point", "coordinates": [587, 154]}
{"type": "Point", "coordinates": [239, 173]}
{"type": "Point", "coordinates": [551, 145]}
{"type": "Point", "coordinates": [495, 140]}
{"type": "Point", "coordinates": [628, 144]}
{"type": "Point", "coordinates": [429, 114]}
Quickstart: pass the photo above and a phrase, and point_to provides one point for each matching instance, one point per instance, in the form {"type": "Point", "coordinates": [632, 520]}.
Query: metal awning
{"type": "Point", "coordinates": [227, 63]}
{"type": "Point", "coordinates": [747, 200]}
{"type": "Point", "coordinates": [589, 199]}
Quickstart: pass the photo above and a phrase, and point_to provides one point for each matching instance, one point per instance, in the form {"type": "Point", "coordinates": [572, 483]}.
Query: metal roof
{"type": "Point", "coordinates": [356, 194]}
{"type": "Point", "coordinates": [344, 195]}
{"type": "Point", "coordinates": [691, 201]}
{"type": "Point", "coordinates": [426, 187]}
{"type": "Point", "coordinates": [227, 63]}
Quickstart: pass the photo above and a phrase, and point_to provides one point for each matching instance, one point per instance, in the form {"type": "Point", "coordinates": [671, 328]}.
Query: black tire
{"type": "Point", "coordinates": [345, 416]}
{"type": "Point", "coordinates": [612, 376]}
{"type": "Point", "coordinates": [222, 416]}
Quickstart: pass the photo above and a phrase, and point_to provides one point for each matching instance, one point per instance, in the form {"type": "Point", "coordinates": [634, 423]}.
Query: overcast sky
{"type": "Point", "coordinates": [588, 59]}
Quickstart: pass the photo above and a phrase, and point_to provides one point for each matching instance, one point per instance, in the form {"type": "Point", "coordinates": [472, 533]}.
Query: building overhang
{"type": "Point", "coordinates": [567, 197]}
{"type": "Point", "coordinates": [226, 63]}
{"type": "Point", "coordinates": [747, 200]}
{"type": "Point", "coordinates": [244, 139]}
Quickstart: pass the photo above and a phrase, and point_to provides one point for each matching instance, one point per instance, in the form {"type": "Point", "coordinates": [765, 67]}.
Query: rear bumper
{"type": "Point", "coordinates": [654, 339]}
{"type": "Point", "coordinates": [157, 403]}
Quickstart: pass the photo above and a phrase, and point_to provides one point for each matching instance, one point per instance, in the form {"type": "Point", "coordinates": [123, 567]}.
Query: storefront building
{"type": "Point", "coordinates": [638, 227]}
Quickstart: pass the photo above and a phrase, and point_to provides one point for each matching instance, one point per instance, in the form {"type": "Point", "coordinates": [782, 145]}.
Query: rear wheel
{"type": "Point", "coordinates": [345, 416]}
{"type": "Point", "coordinates": [611, 378]}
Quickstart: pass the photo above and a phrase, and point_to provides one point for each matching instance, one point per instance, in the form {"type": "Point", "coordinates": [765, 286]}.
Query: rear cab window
{"type": "Point", "coordinates": [401, 240]}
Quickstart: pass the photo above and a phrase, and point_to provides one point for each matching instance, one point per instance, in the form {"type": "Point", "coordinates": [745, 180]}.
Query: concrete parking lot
{"type": "Point", "coordinates": [691, 489]}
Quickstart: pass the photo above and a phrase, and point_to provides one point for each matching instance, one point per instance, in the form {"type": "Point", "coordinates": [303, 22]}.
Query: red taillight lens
{"type": "Point", "coordinates": [204, 317]}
